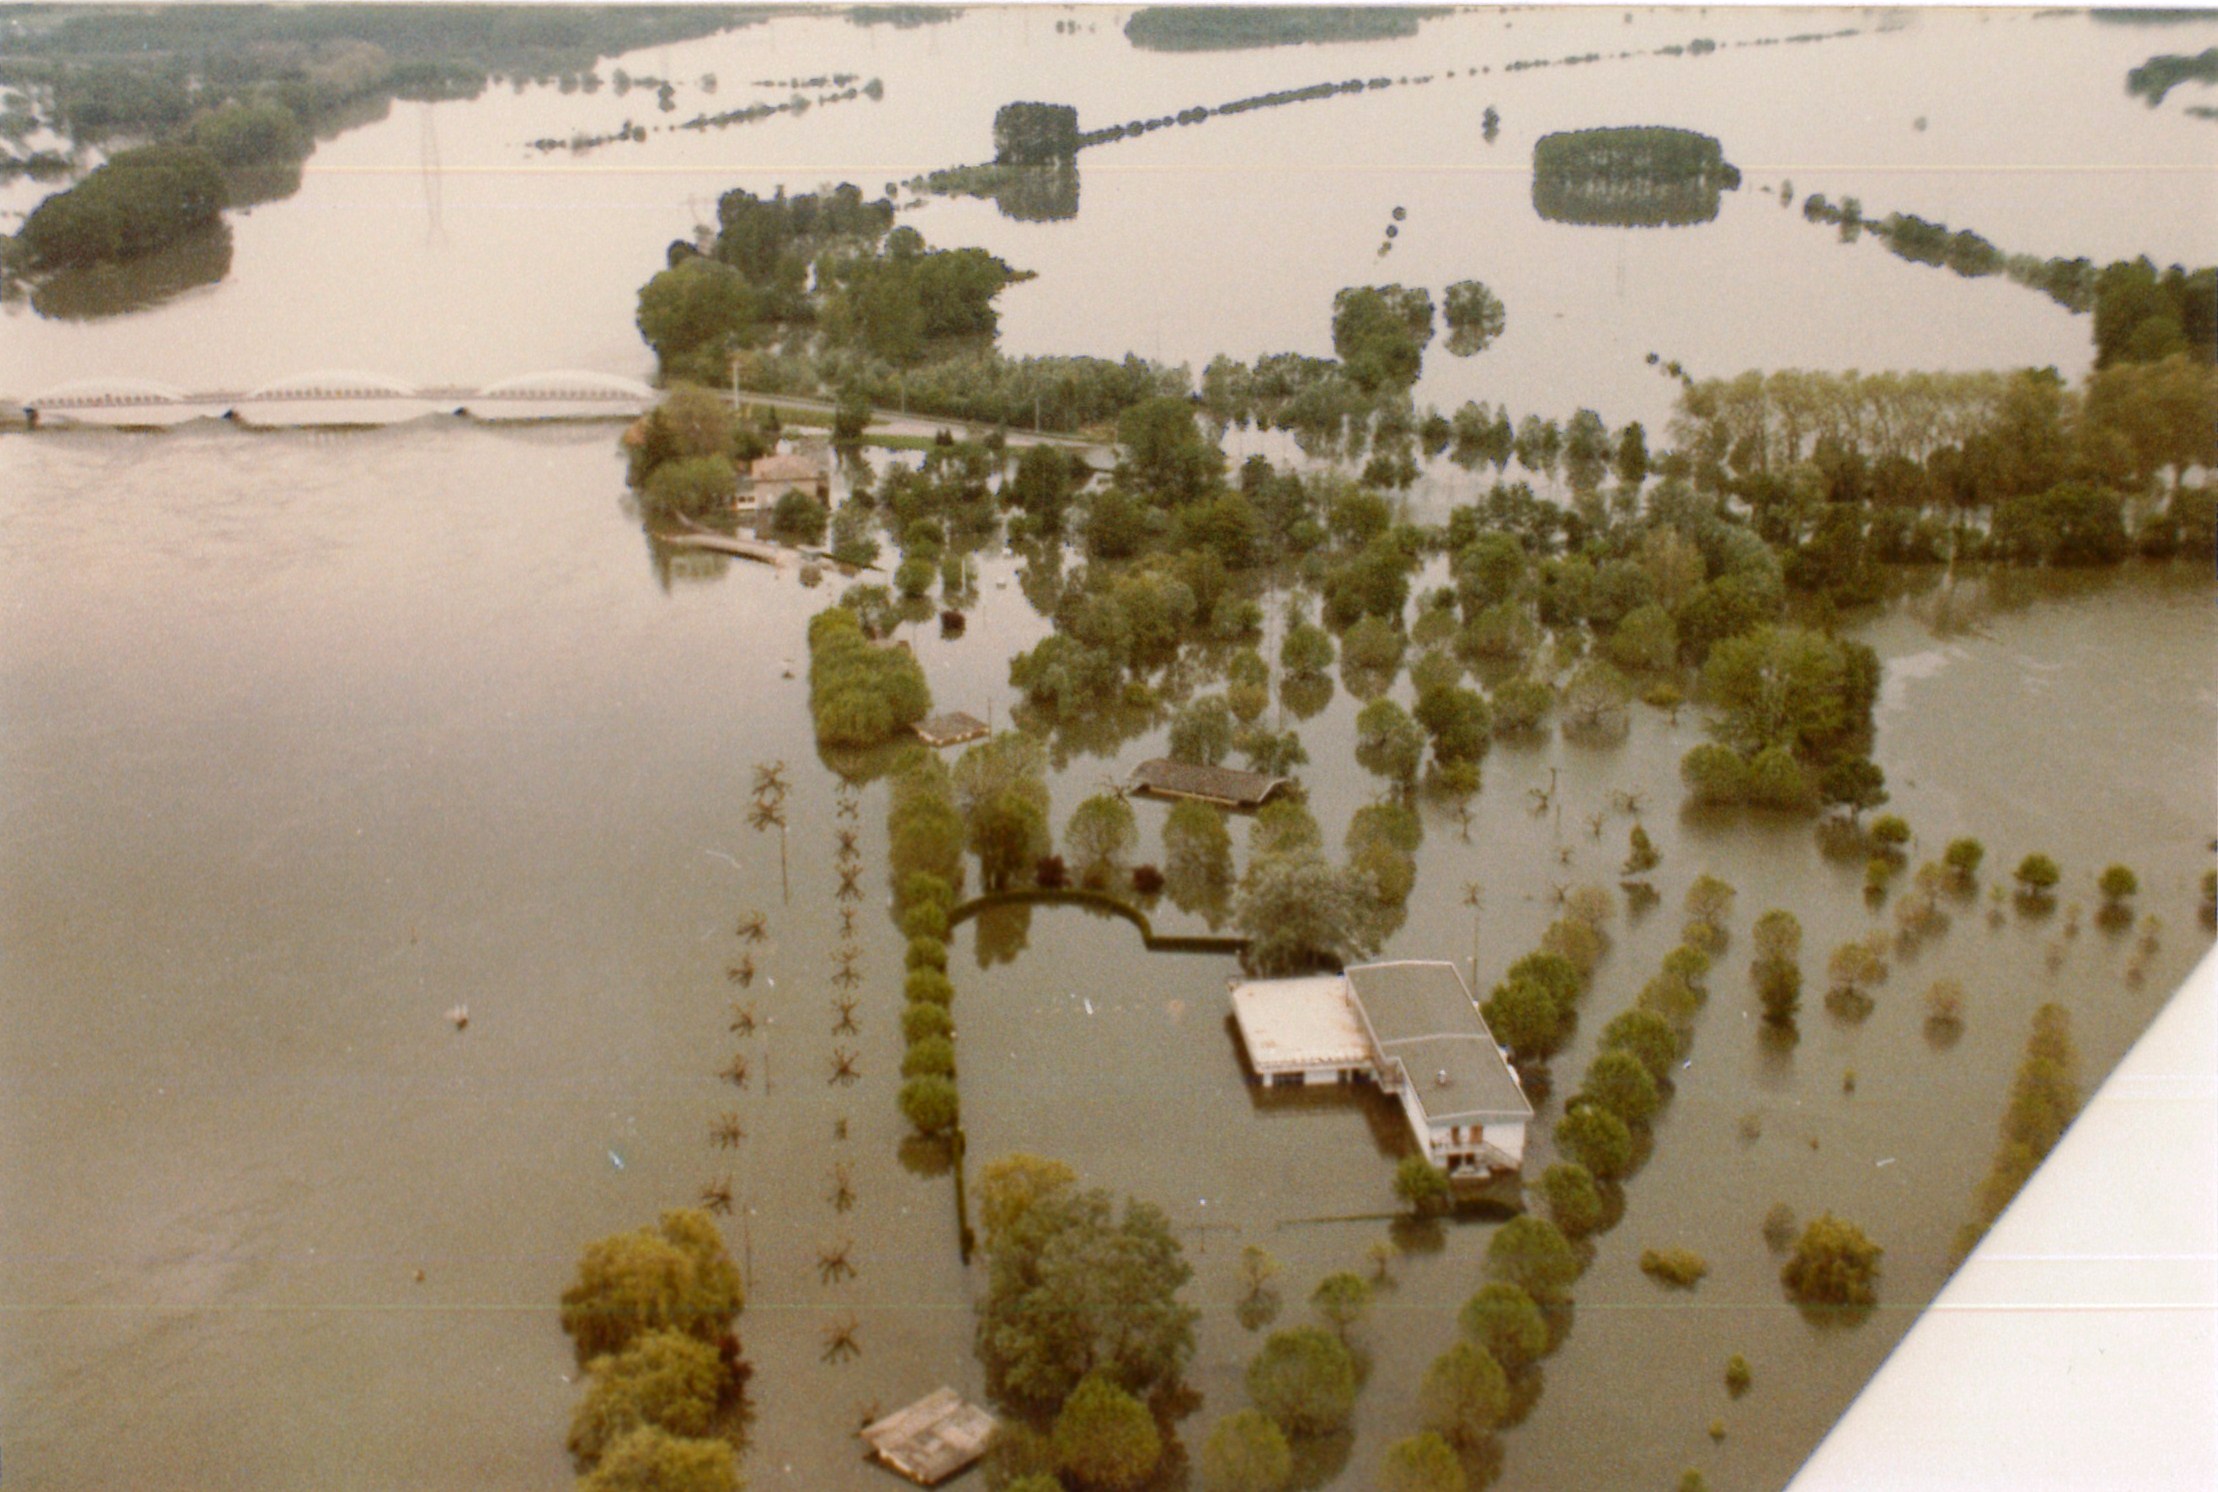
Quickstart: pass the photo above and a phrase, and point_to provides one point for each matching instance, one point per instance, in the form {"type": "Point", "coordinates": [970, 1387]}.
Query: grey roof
{"type": "Point", "coordinates": [1421, 1013]}
{"type": "Point", "coordinates": [1193, 780]}
{"type": "Point", "coordinates": [951, 729]}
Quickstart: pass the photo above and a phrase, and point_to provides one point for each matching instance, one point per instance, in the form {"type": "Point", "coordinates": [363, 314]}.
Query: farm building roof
{"type": "Point", "coordinates": [1421, 1014]}
{"type": "Point", "coordinates": [1215, 784]}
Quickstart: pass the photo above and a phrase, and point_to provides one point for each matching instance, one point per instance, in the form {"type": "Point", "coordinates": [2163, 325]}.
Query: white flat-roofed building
{"type": "Point", "coordinates": [1302, 1031]}
{"type": "Point", "coordinates": [1412, 1028]}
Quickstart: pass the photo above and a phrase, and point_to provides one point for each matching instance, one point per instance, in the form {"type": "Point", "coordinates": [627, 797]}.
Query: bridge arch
{"type": "Point", "coordinates": [334, 383]}
{"type": "Point", "coordinates": [568, 383]}
{"type": "Point", "coordinates": [108, 393]}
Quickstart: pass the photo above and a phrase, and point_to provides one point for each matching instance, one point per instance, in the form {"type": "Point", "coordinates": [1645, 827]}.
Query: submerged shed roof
{"type": "Point", "coordinates": [1420, 1013]}
{"type": "Point", "coordinates": [951, 729]}
{"type": "Point", "coordinates": [933, 1438]}
{"type": "Point", "coordinates": [1193, 780]}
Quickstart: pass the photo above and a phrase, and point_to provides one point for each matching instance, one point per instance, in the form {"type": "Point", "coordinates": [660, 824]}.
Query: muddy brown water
{"type": "Point", "coordinates": [309, 737]}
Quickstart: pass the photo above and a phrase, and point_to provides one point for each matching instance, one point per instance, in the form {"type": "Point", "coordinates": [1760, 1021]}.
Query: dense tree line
{"type": "Point", "coordinates": [862, 693]}
{"type": "Point", "coordinates": [2142, 314]}
{"type": "Point", "coordinates": [820, 293]}
{"type": "Point", "coordinates": [1634, 176]}
{"type": "Point", "coordinates": [651, 1316]}
{"type": "Point", "coordinates": [1034, 134]}
{"type": "Point", "coordinates": [1845, 472]}
{"type": "Point", "coordinates": [144, 73]}
{"type": "Point", "coordinates": [2044, 1099]}
{"type": "Point", "coordinates": [1224, 28]}
{"type": "Point", "coordinates": [2158, 76]}
{"type": "Point", "coordinates": [252, 86]}
{"type": "Point", "coordinates": [139, 201]}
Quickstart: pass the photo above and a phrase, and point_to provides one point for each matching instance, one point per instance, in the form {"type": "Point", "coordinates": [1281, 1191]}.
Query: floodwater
{"type": "Point", "coordinates": [307, 738]}
{"type": "Point", "coordinates": [434, 244]}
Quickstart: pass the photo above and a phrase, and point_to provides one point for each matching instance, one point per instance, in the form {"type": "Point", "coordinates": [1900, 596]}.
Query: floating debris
{"type": "Point", "coordinates": [460, 1015]}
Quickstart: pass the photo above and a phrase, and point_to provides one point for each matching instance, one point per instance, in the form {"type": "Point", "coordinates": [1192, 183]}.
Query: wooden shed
{"type": "Point", "coordinates": [1220, 785]}
{"type": "Point", "coordinates": [951, 730]}
{"type": "Point", "coordinates": [932, 1439]}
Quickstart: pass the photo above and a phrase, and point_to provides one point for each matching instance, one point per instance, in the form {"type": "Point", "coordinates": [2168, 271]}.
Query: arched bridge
{"type": "Point", "coordinates": [531, 396]}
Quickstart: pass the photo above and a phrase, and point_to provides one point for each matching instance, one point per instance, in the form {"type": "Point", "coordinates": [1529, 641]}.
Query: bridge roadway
{"type": "Point", "coordinates": [624, 397]}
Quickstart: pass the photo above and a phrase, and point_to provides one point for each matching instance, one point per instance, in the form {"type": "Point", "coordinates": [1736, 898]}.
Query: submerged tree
{"type": "Point", "coordinates": [1075, 1289]}
{"type": "Point", "coordinates": [1105, 1438]}
{"type": "Point", "coordinates": [1833, 1264]}
{"type": "Point", "coordinates": [1245, 1452]}
{"type": "Point", "coordinates": [676, 1276]}
{"type": "Point", "coordinates": [1474, 316]}
{"type": "Point", "coordinates": [1305, 1380]}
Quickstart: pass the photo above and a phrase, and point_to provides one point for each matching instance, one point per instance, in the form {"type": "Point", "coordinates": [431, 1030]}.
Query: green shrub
{"type": "Point", "coordinates": [690, 487]}
{"type": "Point", "coordinates": [925, 1018]}
{"type": "Point", "coordinates": [1305, 1380]}
{"type": "Point", "coordinates": [2037, 875]}
{"type": "Point", "coordinates": [927, 953]}
{"type": "Point", "coordinates": [799, 516]}
{"type": "Point", "coordinates": [1681, 1267]}
{"type": "Point", "coordinates": [1104, 1438]}
{"type": "Point", "coordinates": [930, 1056]}
{"type": "Point", "coordinates": [1737, 1376]}
{"type": "Point", "coordinates": [1245, 1452]}
{"type": "Point", "coordinates": [1833, 1264]}
{"type": "Point", "coordinates": [1532, 1254]}
{"type": "Point", "coordinates": [1503, 1319]}
{"type": "Point", "coordinates": [1596, 1139]}
{"type": "Point", "coordinates": [929, 986]}
{"type": "Point", "coordinates": [930, 1103]}
{"type": "Point", "coordinates": [1573, 1200]}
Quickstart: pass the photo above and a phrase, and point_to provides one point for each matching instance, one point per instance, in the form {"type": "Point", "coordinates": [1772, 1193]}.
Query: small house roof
{"type": "Point", "coordinates": [1420, 1014]}
{"type": "Point", "coordinates": [785, 467]}
{"type": "Point", "coordinates": [1217, 784]}
{"type": "Point", "coordinates": [932, 1439]}
{"type": "Point", "coordinates": [951, 729]}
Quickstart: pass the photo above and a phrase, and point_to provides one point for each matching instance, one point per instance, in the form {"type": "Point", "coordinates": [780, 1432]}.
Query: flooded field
{"type": "Point", "coordinates": [312, 737]}
{"type": "Point", "coordinates": [307, 738]}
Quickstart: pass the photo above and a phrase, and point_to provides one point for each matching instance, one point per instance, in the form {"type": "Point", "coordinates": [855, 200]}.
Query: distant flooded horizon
{"type": "Point", "coordinates": [308, 738]}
